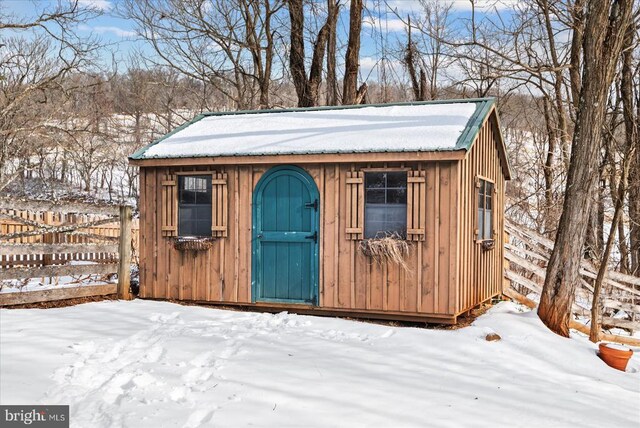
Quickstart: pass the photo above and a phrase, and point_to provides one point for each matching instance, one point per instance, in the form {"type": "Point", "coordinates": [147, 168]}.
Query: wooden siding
{"type": "Point", "coordinates": [348, 279]}
{"type": "Point", "coordinates": [481, 271]}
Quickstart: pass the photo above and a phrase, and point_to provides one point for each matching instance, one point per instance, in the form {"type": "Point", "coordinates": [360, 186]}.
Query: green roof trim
{"type": "Point", "coordinates": [468, 136]}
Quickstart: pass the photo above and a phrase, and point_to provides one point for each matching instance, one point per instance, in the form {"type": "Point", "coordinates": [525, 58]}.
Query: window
{"type": "Point", "coordinates": [194, 205]}
{"type": "Point", "coordinates": [485, 210]}
{"type": "Point", "coordinates": [385, 210]}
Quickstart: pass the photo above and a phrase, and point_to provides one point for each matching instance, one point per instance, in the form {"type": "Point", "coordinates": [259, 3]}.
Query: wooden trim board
{"type": "Point", "coordinates": [304, 158]}
{"type": "Point", "coordinates": [51, 294]}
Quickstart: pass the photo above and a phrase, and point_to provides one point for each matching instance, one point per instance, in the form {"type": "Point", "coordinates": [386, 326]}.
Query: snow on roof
{"type": "Point", "coordinates": [381, 128]}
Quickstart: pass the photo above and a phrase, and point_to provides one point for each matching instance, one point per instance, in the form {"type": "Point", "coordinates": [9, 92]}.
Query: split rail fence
{"type": "Point", "coordinates": [527, 254]}
{"type": "Point", "coordinates": [89, 243]}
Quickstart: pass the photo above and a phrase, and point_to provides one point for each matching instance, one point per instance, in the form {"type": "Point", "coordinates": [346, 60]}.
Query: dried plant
{"type": "Point", "coordinates": [388, 248]}
{"type": "Point", "coordinates": [193, 243]}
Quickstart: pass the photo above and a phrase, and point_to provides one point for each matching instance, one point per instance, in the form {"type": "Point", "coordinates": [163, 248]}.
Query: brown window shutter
{"type": "Point", "coordinates": [169, 209]}
{"type": "Point", "coordinates": [416, 205]}
{"type": "Point", "coordinates": [494, 222]}
{"type": "Point", "coordinates": [219, 204]}
{"type": "Point", "coordinates": [355, 205]}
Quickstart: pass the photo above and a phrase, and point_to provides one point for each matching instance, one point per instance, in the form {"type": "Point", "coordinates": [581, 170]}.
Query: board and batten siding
{"type": "Point", "coordinates": [481, 271]}
{"type": "Point", "coordinates": [348, 279]}
{"type": "Point", "coordinates": [449, 272]}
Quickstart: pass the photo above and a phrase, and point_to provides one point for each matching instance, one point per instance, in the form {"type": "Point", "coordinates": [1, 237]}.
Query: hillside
{"type": "Point", "coordinates": [148, 364]}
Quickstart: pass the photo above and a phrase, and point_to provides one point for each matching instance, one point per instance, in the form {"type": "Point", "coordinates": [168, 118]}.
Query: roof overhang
{"type": "Point", "coordinates": [450, 155]}
{"type": "Point", "coordinates": [485, 111]}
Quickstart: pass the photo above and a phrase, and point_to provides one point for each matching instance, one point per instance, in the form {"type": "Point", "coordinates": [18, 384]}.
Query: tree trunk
{"type": "Point", "coordinates": [631, 123]}
{"type": "Point", "coordinates": [634, 200]}
{"type": "Point", "coordinates": [617, 196]}
{"type": "Point", "coordinates": [634, 214]}
{"type": "Point", "coordinates": [315, 74]}
{"type": "Point", "coordinates": [576, 49]}
{"type": "Point", "coordinates": [350, 86]}
{"type": "Point", "coordinates": [594, 333]}
{"type": "Point", "coordinates": [548, 169]}
{"type": "Point", "coordinates": [307, 89]}
{"type": "Point", "coordinates": [409, 61]}
{"type": "Point", "coordinates": [605, 28]}
{"type": "Point", "coordinates": [296, 53]}
{"type": "Point", "coordinates": [332, 81]}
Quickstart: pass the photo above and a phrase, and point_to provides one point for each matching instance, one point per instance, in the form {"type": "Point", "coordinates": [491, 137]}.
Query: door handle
{"type": "Point", "coordinates": [314, 236]}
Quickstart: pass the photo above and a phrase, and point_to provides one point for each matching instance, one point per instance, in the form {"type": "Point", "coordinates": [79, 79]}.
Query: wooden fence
{"type": "Point", "coordinates": [45, 240]}
{"type": "Point", "coordinates": [527, 254]}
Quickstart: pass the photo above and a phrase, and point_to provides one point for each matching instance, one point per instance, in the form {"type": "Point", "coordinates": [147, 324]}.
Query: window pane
{"type": "Point", "coordinates": [385, 204]}
{"type": "Point", "coordinates": [204, 197]}
{"type": "Point", "coordinates": [187, 197]}
{"type": "Point", "coordinates": [186, 218]}
{"type": "Point", "coordinates": [397, 179]}
{"type": "Point", "coordinates": [488, 232]}
{"type": "Point", "coordinates": [375, 196]}
{"type": "Point", "coordinates": [374, 179]}
{"type": "Point", "coordinates": [397, 196]}
{"type": "Point", "coordinates": [383, 220]}
{"type": "Point", "coordinates": [202, 228]}
{"type": "Point", "coordinates": [480, 223]}
{"type": "Point", "coordinates": [194, 205]}
{"type": "Point", "coordinates": [203, 212]}
{"type": "Point", "coordinates": [373, 219]}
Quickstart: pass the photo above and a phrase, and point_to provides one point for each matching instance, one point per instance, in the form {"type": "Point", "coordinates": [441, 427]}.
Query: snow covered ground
{"type": "Point", "coordinates": [157, 364]}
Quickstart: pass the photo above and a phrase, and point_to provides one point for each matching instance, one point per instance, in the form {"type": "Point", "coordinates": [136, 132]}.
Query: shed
{"type": "Point", "coordinates": [283, 202]}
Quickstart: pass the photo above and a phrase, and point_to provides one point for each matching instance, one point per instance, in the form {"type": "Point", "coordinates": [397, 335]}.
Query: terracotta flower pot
{"type": "Point", "coordinates": [616, 356]}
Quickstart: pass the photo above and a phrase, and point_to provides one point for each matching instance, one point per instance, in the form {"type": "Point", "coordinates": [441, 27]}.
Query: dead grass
{"type": "Point", "coordinates": [391, 248]}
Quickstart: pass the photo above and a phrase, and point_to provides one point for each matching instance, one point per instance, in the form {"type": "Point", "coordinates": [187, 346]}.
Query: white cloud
{"type": "Point", "coordinates": [389, 24]}
{"type": "Point", "coordinates": [107, 29]}
{"type": "Point", "coordinates": [370, 67]}
{"type": "Point", "coordinates": [103, 5]}
{"type": "Point", "coordinates": [120, 32]}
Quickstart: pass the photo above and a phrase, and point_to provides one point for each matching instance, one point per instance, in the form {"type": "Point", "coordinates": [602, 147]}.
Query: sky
{"type": "Point", "coordinates": [119, 33]}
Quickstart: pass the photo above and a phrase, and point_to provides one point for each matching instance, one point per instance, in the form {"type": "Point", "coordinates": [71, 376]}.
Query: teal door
{"type": "Point", "coordinates": [285, 237]}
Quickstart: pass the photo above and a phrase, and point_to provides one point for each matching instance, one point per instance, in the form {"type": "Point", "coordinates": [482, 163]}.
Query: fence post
{"type": "Point", "coordinates": [124, 252]}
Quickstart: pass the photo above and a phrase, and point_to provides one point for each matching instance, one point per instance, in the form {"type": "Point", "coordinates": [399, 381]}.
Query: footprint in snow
{"type": "Point", "coordinates": [197, 375]}
{"type": "Point", "coordinates": [164, 318]}
{"type": "Point", "coordinates": [154, 354]}
{"type": "Point", "coordinates": [206, 359]}
{"type": "Point", "coordinates": [198, 418]}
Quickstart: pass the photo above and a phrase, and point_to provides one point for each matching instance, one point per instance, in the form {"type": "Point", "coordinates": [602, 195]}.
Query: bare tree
{"type": "Point", "coordinates": [229, 45]}
{"type": "Point", "coordinates": [36, 57]}
{"type": "Point", "coordinates": [428, 56]}
{"type": "Point", "coordinates": [350, 93]}
{"type": "Point", "coordinates": [333, 10]}
{"type": "Point", "coordinates": [307, 87]}
{"type": "Point", "coordinates": [604, 32]}
{"type": "Point", "coordinates": [492, 54]}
